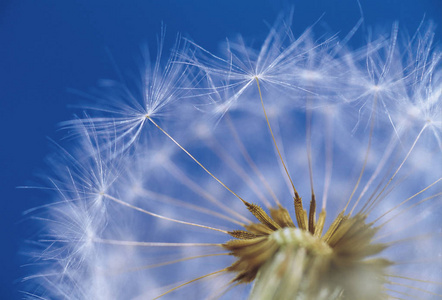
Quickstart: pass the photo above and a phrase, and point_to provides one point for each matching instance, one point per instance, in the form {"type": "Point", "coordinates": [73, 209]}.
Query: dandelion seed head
{"type": "Point", "coordinates": [301, 169]}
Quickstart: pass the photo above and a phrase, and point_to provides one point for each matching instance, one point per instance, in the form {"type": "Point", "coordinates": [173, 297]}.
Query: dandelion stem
{"type": "Point", "coordinates": [308, 140]}
{"type": "Point", "coordinates": [215, 146]}
{"type": "Point", "coordinates": [274, 140]}
{"type": "Point", "coordinates": [193, 158]}
{"type": "Point", "coordinates": [404, 160]}
{"type": "Point", "coordinates": [370, 137]}
{"type": "Point", "coordinates": [159, 216]}
{"type": "Point", "coordinates": [379, 168]}
{"type": "Point", "coordinates": [167, 199]}
{"type": "Point", "coordinates": [153, 244]}
{"type": "Point", "coordinates": [401, 293]}
{"type": "Point", "coordinates": [308, 137]}
{"type": "Point", "coordinates": [195, 187]}
{"type": "Point", "coordinates": [172, 262]}
{"type": "Point", "coordinates": [250, 161]}
{"type": "Point", "coordinates": [414, 288]}
{"type": "Point", "coordinates": [411, 207]}
{"type": "Point", "coordinates": [408, 199]}
{"type": "Point", "coordinates": [414, 279]}
{"type": "Point", "coordinates": [328, 161]}
{"type": "Point", "coordinates": [189, 282]}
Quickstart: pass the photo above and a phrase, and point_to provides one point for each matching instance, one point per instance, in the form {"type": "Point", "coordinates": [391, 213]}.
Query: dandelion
{"type": "Point", "coordinates": [213, 204]}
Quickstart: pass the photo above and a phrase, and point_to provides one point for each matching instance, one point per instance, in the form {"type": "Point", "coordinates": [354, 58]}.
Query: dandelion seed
{"type": "Point", "coordinates": [125, 109]}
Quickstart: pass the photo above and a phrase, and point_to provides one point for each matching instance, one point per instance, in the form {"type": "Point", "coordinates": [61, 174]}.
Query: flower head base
{"type": "Point", "coordinates": [286, 260]}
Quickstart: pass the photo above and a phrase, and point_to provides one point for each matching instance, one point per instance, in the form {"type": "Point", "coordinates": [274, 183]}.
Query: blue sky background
{"type": "Point", "coordinates": [48, 47]}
